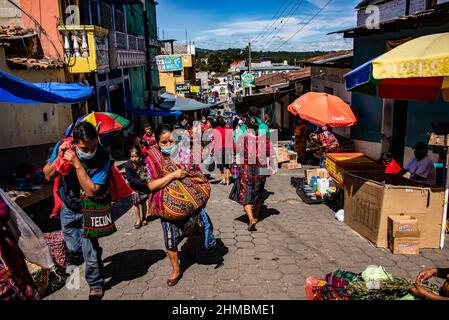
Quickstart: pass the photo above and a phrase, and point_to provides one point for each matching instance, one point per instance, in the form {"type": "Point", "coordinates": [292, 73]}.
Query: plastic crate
{"type": "Point", "coordinates": [337, 164]}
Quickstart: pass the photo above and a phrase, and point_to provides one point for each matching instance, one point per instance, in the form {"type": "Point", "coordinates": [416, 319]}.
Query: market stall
{"type": "Point", "coordinates": [416, 70]}
{"type": "Point", "coordinates": [324, 110]}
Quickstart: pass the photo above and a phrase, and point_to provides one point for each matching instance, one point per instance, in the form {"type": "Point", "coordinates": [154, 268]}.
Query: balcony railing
{"type": "Point", "coordinates": [86, 48]}
{"type": "Point", "coordinates": [156, 43]}
{"type": "Point", "coordinates": [126, 50]}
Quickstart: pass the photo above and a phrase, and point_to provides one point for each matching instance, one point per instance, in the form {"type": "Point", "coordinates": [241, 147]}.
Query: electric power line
{"type": "Point", "coordinates": [270, 22]}
{"type": "Point", "coordinates": [279, 29]}
{"type": "Point", "coordinates": [283, 20]}
{"type": "Point", "coordinates": [307, 23]}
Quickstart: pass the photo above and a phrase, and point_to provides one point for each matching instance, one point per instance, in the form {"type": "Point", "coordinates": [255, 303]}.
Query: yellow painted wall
{"type": "Point", "coordinates": [23, 125]}
{"type": "Point", "coordinates": [168, 80]}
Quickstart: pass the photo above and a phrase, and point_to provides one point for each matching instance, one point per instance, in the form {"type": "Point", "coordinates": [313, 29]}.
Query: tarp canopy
{"type": "Point", "coordinates": [172, 102]}
{"type": "Point", "coordinates": [15, 90]}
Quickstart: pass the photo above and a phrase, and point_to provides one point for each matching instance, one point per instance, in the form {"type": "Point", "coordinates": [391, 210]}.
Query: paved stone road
{"type": "Point", "coordinates": [294, 240]}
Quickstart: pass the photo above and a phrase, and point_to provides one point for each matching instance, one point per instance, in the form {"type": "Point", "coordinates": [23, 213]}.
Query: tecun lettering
{"type": "Point", "coordinates": [101, 221]}
{"type": "Point", "coordinates": [183, 310]}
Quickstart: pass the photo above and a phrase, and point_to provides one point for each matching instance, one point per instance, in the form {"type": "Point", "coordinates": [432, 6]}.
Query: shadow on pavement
{"type": "Point", "coordinates": [121, 207]}
{"type": "Point", "coordinates": [130, 265]}
{"type": "Point", "coordinates": [204, 256]}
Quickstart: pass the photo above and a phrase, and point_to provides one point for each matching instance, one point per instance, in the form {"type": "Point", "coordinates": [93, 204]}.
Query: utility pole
{"type": "Point", "coordinates": [249, 66]}
{"type": "Point", "coordinates": [149, 80]}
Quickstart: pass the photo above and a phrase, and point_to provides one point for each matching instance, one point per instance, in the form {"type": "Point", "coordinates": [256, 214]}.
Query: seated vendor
{"type": "Point", "coordinates": [425, 276]}
{"type": "Point", "coordinates": [420, 166]}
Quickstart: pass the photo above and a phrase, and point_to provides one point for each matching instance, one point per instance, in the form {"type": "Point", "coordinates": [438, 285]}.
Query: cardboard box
{"type": "Point", "coordinates": [293, 156]}
{"type": "Point", "coordinates": [405, 242]}
{"type": "Point", "coordinates": [291, 165]}
{"type": "Point", "coordinates": [437, 140]}
{"type": "Point", "coordinates": [282, 155]}
{"type": "Point", "coordinates": [321, 172]}
{"type": "Point", "coordinates": [401, 223]}
{"type": "Point", "coordinates": [371, 198]}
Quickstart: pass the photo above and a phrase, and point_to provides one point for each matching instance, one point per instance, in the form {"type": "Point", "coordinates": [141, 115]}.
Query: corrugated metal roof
{"type": "Point", "coordinates": [328, 56]}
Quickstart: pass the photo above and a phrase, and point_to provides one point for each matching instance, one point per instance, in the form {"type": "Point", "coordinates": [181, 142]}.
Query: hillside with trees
{"type": "Point", "coordinates": [220, 60]}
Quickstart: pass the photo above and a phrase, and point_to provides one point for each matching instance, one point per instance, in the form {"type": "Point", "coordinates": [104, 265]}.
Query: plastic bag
{"type": "Point", "coordinates": [28, 236]}
{"type": "Point", "coordinates": [375, 274]}
{"type": "Point", "coordinates": [310, 284]}
{"type": "Point", "coordinates": [340, 215]}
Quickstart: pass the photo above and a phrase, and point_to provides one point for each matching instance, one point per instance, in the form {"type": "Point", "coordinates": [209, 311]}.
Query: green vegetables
{"type": "Point", "coordinates": [394, 288]}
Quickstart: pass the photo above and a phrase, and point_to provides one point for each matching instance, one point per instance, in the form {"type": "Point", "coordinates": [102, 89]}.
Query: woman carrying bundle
{"type": "Point", "coordinates": [256, 159]}
{"type": "Point", "coordinates": [179, 192]}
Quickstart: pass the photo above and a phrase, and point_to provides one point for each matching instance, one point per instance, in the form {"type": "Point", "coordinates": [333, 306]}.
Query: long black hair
{"type": "Point", "coordinates": [162, 129]}
{"type": "Point", "coordinates": [252, 123]}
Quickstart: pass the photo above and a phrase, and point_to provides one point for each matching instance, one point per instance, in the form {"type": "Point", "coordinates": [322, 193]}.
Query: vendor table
{"type": "Point", "coordinates": [27, 198]}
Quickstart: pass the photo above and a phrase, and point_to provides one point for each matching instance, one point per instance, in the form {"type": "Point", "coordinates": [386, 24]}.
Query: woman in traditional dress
{"type": "Point", "coordinates": [15, 280]}
{"type": "Point", "coordinates": [256, 159]}
{"type": "Point", "coordinates": [163, 169]}
{"type": "Point", "coordinates": [301, 139]}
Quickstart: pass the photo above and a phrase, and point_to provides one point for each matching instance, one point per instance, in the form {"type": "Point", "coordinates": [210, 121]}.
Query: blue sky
{"type": "Point", "coordinates": [232, 23]}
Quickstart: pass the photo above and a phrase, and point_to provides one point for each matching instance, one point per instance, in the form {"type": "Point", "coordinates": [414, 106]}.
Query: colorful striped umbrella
{"type": "Point", "coordinates": [415, 70]}
{"type": "Point", "coordinates": [107, 122]}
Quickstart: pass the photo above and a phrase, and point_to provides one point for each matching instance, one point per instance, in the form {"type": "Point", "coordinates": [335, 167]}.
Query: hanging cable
{"type": "Point", "coordinates": [267, 43]}
{"type": "Point", "coordinates": [283, 20]}
{"type": "Point", "coordinates": [272, 21]}
{"type": "Point", "coordinates": [307, 23]}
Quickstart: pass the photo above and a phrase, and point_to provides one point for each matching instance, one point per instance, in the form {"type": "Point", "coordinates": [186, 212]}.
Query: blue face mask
{"type": "Point", "coordinates": [168, 150]}
{"type": "Point", "coordinates": [85, 156]}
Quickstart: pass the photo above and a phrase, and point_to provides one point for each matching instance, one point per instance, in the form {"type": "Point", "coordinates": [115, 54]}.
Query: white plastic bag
{"type": "Point", "coordinates": [340, 215]}
{"type": "Point", "coordinates": [28, 236]}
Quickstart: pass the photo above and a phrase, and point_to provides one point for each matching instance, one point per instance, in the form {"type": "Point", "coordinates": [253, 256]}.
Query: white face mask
{"type": "Point", "coordinates": [85, 156]}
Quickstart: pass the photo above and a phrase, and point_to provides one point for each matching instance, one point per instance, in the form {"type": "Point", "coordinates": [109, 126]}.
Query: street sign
{"type": "Point", "coordinates": [194, 89]}
{"type": "Point", "coordinates": [248, 80]}
{"type": "Point", "coordinates": [169, 63]}
{"type": "Point", "coordinates": [182, 87]}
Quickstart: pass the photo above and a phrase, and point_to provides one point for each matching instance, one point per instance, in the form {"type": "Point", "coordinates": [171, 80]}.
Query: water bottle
{"type": "Point", "coordinates": [313, 183]}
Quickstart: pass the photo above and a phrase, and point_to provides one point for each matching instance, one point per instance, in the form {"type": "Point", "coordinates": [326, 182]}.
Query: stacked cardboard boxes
{"type": "Point", "coordinates": [403, 234]}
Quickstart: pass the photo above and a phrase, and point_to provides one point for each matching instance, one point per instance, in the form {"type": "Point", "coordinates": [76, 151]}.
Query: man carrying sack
{"type": "Point", "coordinates": [82, 167]}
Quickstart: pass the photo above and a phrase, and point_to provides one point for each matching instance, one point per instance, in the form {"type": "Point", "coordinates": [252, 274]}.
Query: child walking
{"type": "Point", "coordinates": [137, 175]}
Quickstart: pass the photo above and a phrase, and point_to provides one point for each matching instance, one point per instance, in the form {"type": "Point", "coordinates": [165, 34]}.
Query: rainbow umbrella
{"type": "Point", "coordinates": [415, 70]}
{"type": "Point", "coordinates": [106, 121]}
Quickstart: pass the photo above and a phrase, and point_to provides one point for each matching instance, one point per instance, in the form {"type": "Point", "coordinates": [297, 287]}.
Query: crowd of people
{"type": "Point", "coordinates": [168, 183]}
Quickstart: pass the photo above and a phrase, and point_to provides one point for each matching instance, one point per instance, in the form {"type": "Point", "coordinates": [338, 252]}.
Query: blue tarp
{"type": "Point", "coordinates": [15, 90]}
{"type": "Point", "coordinates": [173, 103]}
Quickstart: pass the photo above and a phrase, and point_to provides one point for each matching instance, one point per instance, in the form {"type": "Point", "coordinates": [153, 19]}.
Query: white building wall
{"type": "Point", "coordinates": [23, 125]}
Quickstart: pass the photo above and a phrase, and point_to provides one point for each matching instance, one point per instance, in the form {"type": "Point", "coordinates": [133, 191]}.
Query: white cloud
{"type": "Point", "coordinates": [237, 33]}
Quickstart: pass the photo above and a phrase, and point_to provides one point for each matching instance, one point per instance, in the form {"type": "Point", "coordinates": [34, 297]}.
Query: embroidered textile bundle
{"type": "Point", "coordinates": [58, 248]}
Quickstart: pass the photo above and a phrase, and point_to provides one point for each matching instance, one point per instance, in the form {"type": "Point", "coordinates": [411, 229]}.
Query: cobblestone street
{"type": "Point", "coordinates": [293, 240]}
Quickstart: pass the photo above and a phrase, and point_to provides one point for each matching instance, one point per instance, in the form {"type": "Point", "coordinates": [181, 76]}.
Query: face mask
{"type": "Point", "coordinates": [169, 150]}
{"type": "Point", "coordinates": [85, 156]}
{"type": "Point", "coordinates": [203, 121]}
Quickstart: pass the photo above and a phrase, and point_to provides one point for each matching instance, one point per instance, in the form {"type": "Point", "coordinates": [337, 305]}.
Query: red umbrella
{"type": "Point", "coordinates": [322, 108]}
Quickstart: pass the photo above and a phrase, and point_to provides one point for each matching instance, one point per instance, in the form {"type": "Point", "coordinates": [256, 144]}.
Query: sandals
{"type": "Point", "coordinates": [174, 282]}
{"type": "Point", "coordinates": [252, 225]}
{"type": "Point", "coordinates": [145, 222]}
{"type": "Point", "coordinates": [138, 226]}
